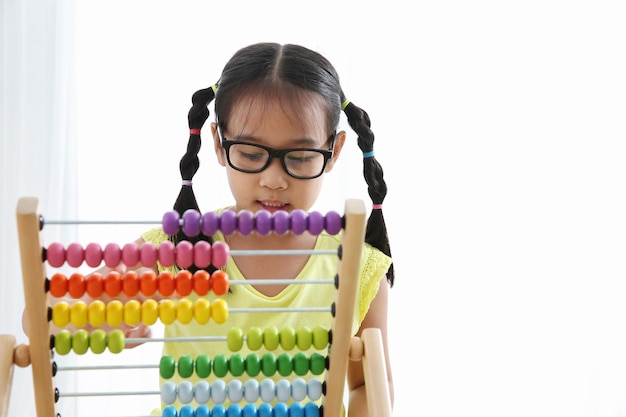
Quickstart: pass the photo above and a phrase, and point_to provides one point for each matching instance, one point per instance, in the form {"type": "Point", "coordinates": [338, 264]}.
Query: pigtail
{"type": "Point", "coordinates": [376, 231]}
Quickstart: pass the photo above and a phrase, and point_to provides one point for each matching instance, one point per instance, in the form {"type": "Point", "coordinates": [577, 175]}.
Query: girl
{"type": "Point", "coordinates": [269, 99]}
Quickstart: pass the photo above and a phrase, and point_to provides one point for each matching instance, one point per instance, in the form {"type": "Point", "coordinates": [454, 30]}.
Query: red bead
{"type": "Point", "coordinates": [58, 285]}
{"type": "Point", "coordinates": [166, 284]}
{"type": "Point", "coordinates": [219, 282]}
{"type": "Point", "coordinates": [112, 284]}
{"type": "Point", "coordinates": [130, 284]}
{"type": "Point", "coordinates": [94, 285]}
{"type": "Point", "coordinates": [76, 285]}
{"type": "Point", "coordinates": [148, 283]}
{"type": "Point", "coordinates": [201, 282]}
{"type": "Point", "coordinates": [184, 283]}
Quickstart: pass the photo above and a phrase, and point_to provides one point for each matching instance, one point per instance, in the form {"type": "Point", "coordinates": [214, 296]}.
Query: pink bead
{"type": "Point", "coordinates": [93, 255]}
{"type": "Point", "coordinates": [148, 254]}
{"type": "Point", "coordinates": [74, 255]}
{"type": "Point", "coordinates": [184, 254]}
{"type": "Point", "coordinates": [202, 254]}
{"type": "Point", "coordinates": [112, 255]}
{"type": "Point", "coordinates": [220, 253]}
{"type": "Point", "coordinates": [167, 254]}
{"type": "Point", "coordinates": [55, 254]}
{"type": "Point", "coordinates": [130, 254]}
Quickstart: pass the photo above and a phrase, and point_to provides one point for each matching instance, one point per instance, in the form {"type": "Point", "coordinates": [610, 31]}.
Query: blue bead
{"type": "Point", "coordinates": [310, 410]}
{"type": "Point", "coordinates": [203, 411]}
{"type": "Point", "coordinates": [296, 410]}
{"type": "Point", "coordinates": [186, 411]}
{"type": "Point", "coordinates": [170, 411]}
{"type": "Point", "coordinates": [219, 411]}
{"type": "Point", "coordinates": [234, 410]}
{"type": "Point", "coordinates": [281, 410]}
{"type": "Point", "coordinates": [249, 410]}
{"type": "Point", "coordinates": [265, 410]}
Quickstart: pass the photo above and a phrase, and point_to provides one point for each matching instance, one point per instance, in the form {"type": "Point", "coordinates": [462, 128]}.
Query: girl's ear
{"type": "Point", "coordinates": [217, 145]}
{"type": "Point", "coordinates": [340, 139]}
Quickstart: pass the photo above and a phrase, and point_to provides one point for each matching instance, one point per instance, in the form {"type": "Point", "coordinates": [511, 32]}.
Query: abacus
{"type": "Point", "coordinates": [321, 396]}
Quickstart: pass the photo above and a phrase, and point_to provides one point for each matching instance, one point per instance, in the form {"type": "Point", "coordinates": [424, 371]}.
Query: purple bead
{"type": "Point", "coordinates": [170, 222]}
{"type": "Point", "coordinates": [298, 221]}
{"type": "Point", "coordinates": [210, 223]}
{"type": "Point", "coordinates": [316, 223]}
{"type": "Point", "coordinates": [228, 222]}
{"type": "Point", "coordinates": [245, 222]}
{"type": "Point", "coordinates": [332, 223]}
{"type": "Point", "coordinates": [191, 222]}
{"type": "Point", "coordinates": [263, 222]}
{"type": "Point", "coordinates": [280, 220]}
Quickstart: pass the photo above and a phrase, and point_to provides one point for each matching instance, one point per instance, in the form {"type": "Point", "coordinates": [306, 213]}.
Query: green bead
{"type": "Point", "coordinates": [236, 365]}
{"type": "Point", "coordinates": [80, 342]}
{"type": "Point", "coordinates": [253, 364]}
{"type": "Point", "coordinates": [255, 338]}
{"type": "Point", "coordinates": [287, 338]}
{"type": "Point", "coordinates": [167, 366]}
{"type": "Point", "coordinates": [304, 338]}
{"type": "Point", "coordinates": [271, 338]}
{"type": "Point", "coordinates": [185, 366]}
{"type": "Point", "coordinates": [235, 339]}
{"type": "Point", "coordinates": [300, 364]}
{"type": "Point", "coordinates": [63, 342]}
{"type": "Point", "coordinates": [203, 366]}
{"type": "Point", "coordinates": [285, 365]}
{"type": "Point", "coordinates": [320, 337]}
{"type": "Point", "coordinates": [317, 363]}
{"type": "Point", "coordinates": [117, 340]}
{"type": "Point", "coordinates": [98, 341]}
{"type": "Point", "coordinates": [268, 364]}
{"type": "Point", "coordinates": [220, 366]}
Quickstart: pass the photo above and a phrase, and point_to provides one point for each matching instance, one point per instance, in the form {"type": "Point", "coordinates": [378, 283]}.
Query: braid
{"type": "Point", "coordinates": [376, 232]}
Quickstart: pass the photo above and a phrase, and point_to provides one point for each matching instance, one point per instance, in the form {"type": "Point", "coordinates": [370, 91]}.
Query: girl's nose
{"type": "Point", "coordinates": [274, 176]}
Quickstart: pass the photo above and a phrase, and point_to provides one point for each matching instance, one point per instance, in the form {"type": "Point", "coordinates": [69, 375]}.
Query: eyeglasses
{"type": "Point", "coordinates": [300, 163]}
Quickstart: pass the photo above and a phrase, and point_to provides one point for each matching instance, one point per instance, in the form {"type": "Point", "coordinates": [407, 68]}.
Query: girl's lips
{"type": "Point", "coordinates": [272, 206]}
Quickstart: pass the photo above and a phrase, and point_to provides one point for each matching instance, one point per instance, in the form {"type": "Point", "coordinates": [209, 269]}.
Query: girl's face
{"type": "Point", "coordinates": [278, 124]}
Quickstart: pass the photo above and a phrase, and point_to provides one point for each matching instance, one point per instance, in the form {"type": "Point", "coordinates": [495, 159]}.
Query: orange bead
{"type": "Point", "coordinates": [166, 284]}
{"type": "Point", "coordinates": [58, 285]}
{"type": "Point", "coordinates": [130, 284]}
{"type": "Point", "coordinates": [219, 282]}
{"type": "Point", "coordinates": [76, 285]}
{"type": "Point", "coordinates": [201, 282]}
{"type": "Point", "coordinates": [94, 285]}
{"type": "Point", "coordinates": [184, 283]}
{"type": "Point", "coordinates": [148, 283]}
{"type": "Point", "coordinates": [112, 284]}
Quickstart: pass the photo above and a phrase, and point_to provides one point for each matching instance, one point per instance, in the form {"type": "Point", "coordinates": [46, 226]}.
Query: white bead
{"type": "Point", "coordinates": [298, 389]}
{"type": "Point", "coordinates": [218, 391]}
{"type": "Point", "coordinates": [168, 393]}
{"type": "Point", "coordinates": [251, 390]}
{"type": "Point", "coordinates": [283, 390]}
{"type": "Point", "coordinates": [235, 391]}
{"type": "Point", "coordinates": [314, 389]}
{"type": "Point", "coordinates": [267, 392]}
{"type": "Point", "coordinates": [185, 392]}
{"type": "Point", "coordinates": [202, 392]}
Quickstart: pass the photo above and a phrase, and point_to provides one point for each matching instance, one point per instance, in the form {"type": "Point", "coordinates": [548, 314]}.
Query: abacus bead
{"type": "Point", "coordinates": [281, 410]}
{"type": "Point", "coordinates": [80, 341]}
{"type": "Point", "coordinates": [263, 222]}
{"type": "Point", "coordinates": [236, 365]}
{"type": "Point", "coordinates": [298, 221]}
{"type": "Point", "coordinates": [149, 312]}
{"type": "Point", "coordinates": [185, 392]}
{"type": "Point", "coordinates": [202, 393]}
{"type": "Point", "coordinates": [314, 389]}
{"type": "Point", "coordinates": [265, 410]}
{"type": "Point", "coordinates": [170, 222]}
{"type": "Point", "coordinates": [251, 390]}
{"type": "Point", "coordinates": [169, 411]}
{"type": "Point", "coordinates": [184, 254]}
{"type": "Point", "coordinates": [202, 311]}
{"type": "Point", "coordinates": [202, 254]}
{"type": "Point", "coordinates": [317, 363]}
{"type": "Point", "coordinates": [267, 390]}
{"type": "Point", "coordinates": [287, 338]}
{"type": "Point", "coordinates": [191, 222]}
{"type": "Point", "coordinates": [201, 282]}
{"type": "Point", "coordinates": [93, 255]}
{"type": "Point", "coordinates": [203, 366]}
{"type": "Point", "coordinates": [186, 410]}
{"type": "Point", "coordinates": [148, 283]}
{"type": "Point", "coordinates": [312, 410]}
{"type": "Point", "coordinates": [235, 339]}
{"type": "Point", "coordinates": [316, 223]}
{"type": "Point", "coordinates": [74, 255]}
{"type": "Point", "coordinates": [130, 254]}
{"type": "Point", "coordinates": [184, 283]}
{"type": "Point", "coordinates": [283, 390]}
{"type": "Point", "coordinates": [219, 282]}
{"type": "Point", "coordinates": [220, 366]}
{"type": "Point", "coordinates": [245, 222]}
{"type": "Point", "coordinates": [218, 411]}
{"type": "Point", "coordinates": [76, 285]}
{"type": "Point", "coordinates": [296, 410]}
{"type": "Point", "coordinates": [320, 337]}
{"type": "Point", "coordinates": [271, 338]}
{"type": "Point", "coordinates": [167, 253]}
{"type": "Point", "coordinates": [58, 285]}
{"type": "Point", "coordinates": [116, 341]}
{"type": "Point", "coordinates": [185, 366]}
{"type": "Point", "coordinates": [112, 255]}
{"type": "Point", "coordinates": [168, 393]}
{"type": "Point", "coordinates": [235, 390]}
{"type": "Point", "coordinates": [253, 364]}
{"type": "Point", "coordinates": [112, 284]}
{"type": "Point", "coordinates": [255, 338]}
{"type": "Point", "coordinates": [234, 410]}
{"type": "Point", "coordinates": [298, 389]}
{"type": "Point", "coordinates": [132, 312]}
{"type": "Point", "coordinates": [228, 222]}
{"type": "Point", "coordinates": [218, 391]}
{"type": "Point", "coordinates": [94, 285]}
{"type": "Point", "coordinates": [301, 364]}
{"type": "Point", "coordinates": [55, 254]}
{"type": "Point", "coordinates": [268, 364]}
{"type": "Point", "coordinates": [184, 311]}
{"type": "Point", "coordinates": [63, 342]}
{"type": "Point", "coordinates": [115, 313]}
{"type": "Point", "coordinates": [61, 314]}
{"type": "Point", "coordinates": [280, 222]}
{"type": "Point", "coordinates": [249, 410]}
{"type": "Point", "coordinates": [167, 312]}
{"type": "Point", "coordinates": [210, 223]}
{"type": "Point", "coordinates": [284, 364]}
{"type": "Point", "coordinates": [167, 366]}
{"type": "Point", "coordinates": [220, 253]}
{"type": "Point", "coordinates": [304, 338]}
{"type": "Point", "coordinates": [219, 311]}
{"type": "Point", "coordinates": [98, 341]}
{"type": "Point", "coordinates": [166, 284]}
{"type": "Point", "coordinates": [148, 254]}
{"type": "Point", "coordinates": [78, 314]}
{"type": "Point", "coordinates": [97, 313]}
{"type": "Point", "coordinates": [130, 284]}
{"type": "Point", "coordinates": [203, 411]}
{"type": "Point", "coordinates": [332, 223]}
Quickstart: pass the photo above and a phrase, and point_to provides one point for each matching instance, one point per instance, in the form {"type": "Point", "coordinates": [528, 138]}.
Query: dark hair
{"type": "Point", "coordinates": [276, 69]}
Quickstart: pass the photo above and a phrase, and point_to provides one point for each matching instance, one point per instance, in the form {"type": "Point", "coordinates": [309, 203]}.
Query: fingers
{"type": "Point", "coordinates": [138, 332]}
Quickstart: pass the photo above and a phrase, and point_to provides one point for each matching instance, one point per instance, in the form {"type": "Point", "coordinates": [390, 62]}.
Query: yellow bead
{"type": "Point", "coordinates": [202, 311]}
{"type": "Point", "coordinates": [115, 313]}
{"type": "Point", "coordinates": [132, 313]}
{"type": "Point", "coordinates": [184, 311]}
{"type": "Point", "coordinates": [97, 313]}
{"type": "Point", "coordinates": [149, 312]}
{"type": "Point", "coordinates": [61, 314]}
{"type": "Point", "coordinates": [219, 311]}
{"type": "Point", "coordinates": [167, 312]}
{"type": "Point", "coordinates": [78, 314]}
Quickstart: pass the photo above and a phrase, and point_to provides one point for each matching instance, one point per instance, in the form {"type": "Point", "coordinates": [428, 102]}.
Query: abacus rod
{"type": "Point", "coordinates": [272, 281]}
{"type": "Point", "coordinates": [103, 222]}
{"type": "Point", "coordinates": [107, 393]}
{"type": "Point", "coordinates": [104, 367]}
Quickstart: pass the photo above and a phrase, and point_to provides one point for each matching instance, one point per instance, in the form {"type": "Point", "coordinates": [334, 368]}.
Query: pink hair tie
{"type": "Point", "coordinates": [377, 206]}
{"type": "Point", "coordinates": [194, 131]}
{"type": "Point", "coordinates": [187, 182]}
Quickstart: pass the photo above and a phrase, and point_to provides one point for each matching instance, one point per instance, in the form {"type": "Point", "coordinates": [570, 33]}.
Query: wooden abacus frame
{"type": "Point", "coordinates": [369, 348]}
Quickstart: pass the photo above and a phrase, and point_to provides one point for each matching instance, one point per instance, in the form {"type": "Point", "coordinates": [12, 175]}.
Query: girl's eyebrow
{"type": "Point", "coordinates": [295, 143]}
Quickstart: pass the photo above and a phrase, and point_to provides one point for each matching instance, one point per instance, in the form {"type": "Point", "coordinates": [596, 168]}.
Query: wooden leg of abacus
{"type": "Point", "coordinates": [375, 371]}
{"type": "Point", "coordinates": [7, 347]}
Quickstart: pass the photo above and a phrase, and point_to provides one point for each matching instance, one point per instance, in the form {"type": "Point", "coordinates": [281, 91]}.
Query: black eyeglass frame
{"type": "Point", "coordinates": [277, 153]}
